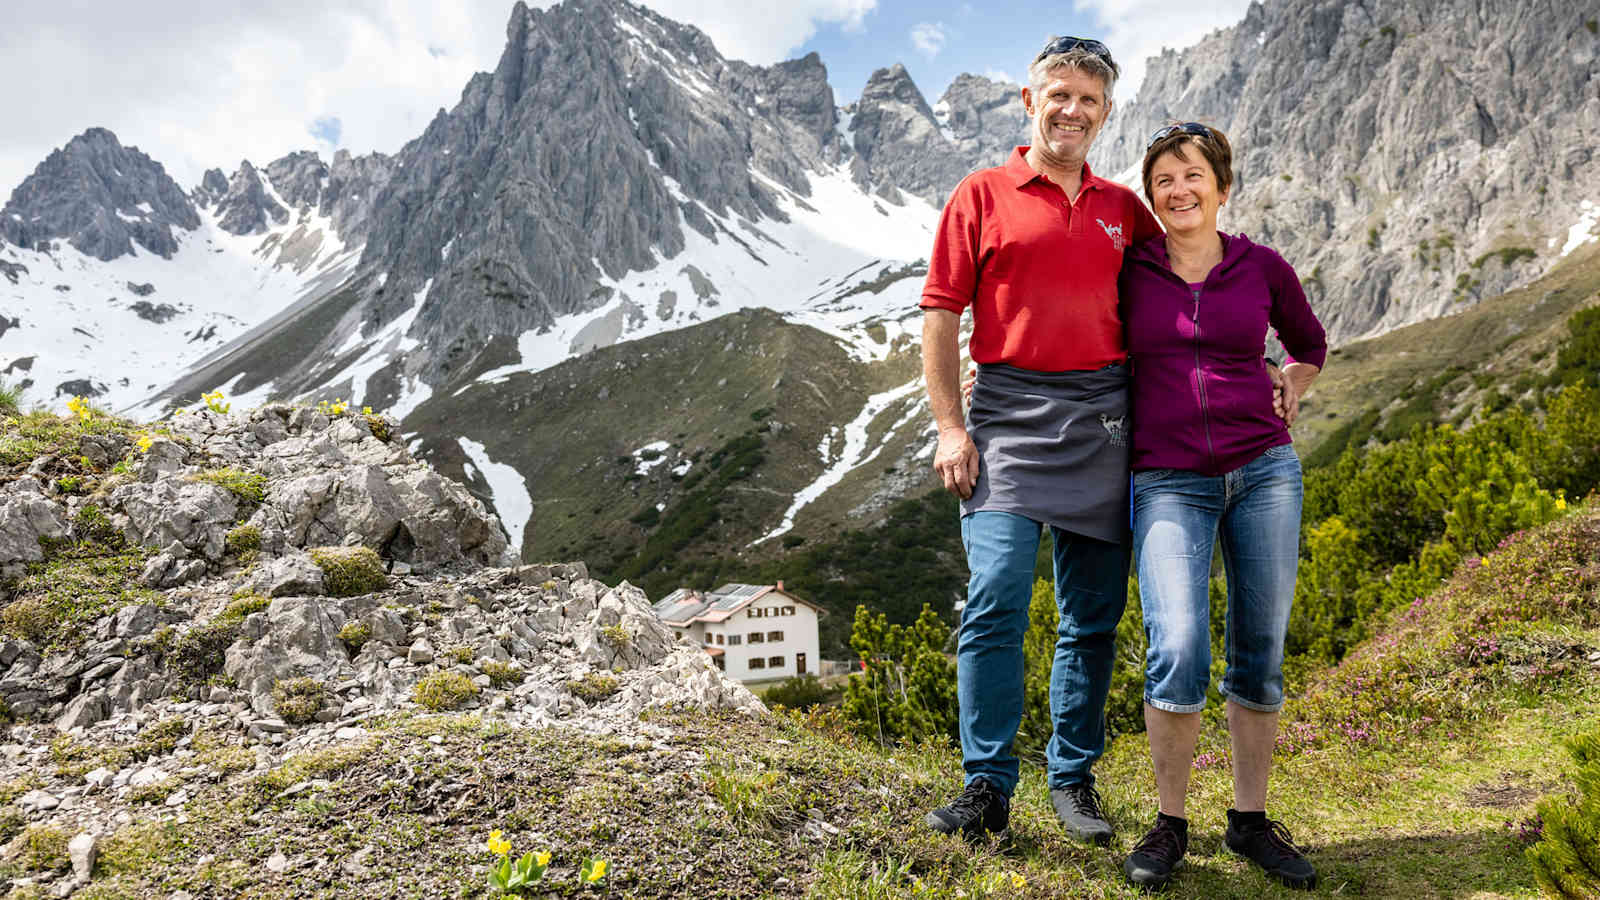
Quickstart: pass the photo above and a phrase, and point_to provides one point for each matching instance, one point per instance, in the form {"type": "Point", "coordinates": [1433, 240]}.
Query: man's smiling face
{"type": "Point", "coordinates": [1068, 110]}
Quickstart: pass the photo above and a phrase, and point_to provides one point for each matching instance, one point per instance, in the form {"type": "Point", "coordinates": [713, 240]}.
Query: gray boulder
{"type": "Point", "coordinates": [292, 574]}
{"type": "Point", "coordinates": [196, 514]}
{"type": "Point", "coordinates": [623, 632]}
{"type": "Point", "coordinates": [299, 637]}
{"type": "Point", "coordinates": [26, 517]}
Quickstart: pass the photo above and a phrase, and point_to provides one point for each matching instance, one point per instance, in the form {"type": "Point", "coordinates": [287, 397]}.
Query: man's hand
{"type": "Point", "coordinates": [956, 461]}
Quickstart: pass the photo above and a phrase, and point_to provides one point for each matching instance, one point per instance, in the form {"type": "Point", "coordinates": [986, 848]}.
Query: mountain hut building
{"type": "Point", "coordinates": [754, 632]}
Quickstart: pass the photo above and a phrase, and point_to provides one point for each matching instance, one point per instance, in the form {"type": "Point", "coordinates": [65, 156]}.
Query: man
{"type": "Point", "coordinates": [1033, 247]}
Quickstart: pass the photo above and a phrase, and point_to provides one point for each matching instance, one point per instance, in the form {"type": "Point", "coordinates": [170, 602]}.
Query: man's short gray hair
{"type": "Point", "coordinates": [1079, 58]}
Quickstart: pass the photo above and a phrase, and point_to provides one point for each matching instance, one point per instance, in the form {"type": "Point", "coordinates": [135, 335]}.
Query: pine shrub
{"type": "Point", "coordinates": [1566, 861]}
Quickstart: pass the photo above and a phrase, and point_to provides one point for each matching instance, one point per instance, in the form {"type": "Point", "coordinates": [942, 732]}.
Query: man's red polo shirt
{"type": "Point", "coordinates": [1039, 272]}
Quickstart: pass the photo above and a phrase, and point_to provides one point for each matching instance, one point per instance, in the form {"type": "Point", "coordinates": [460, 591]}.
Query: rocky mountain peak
{"type": "Point", "coordinates": [898, 141]}
{"type": "Point", "coordinates": [894, 85]}
{"type": "Point", "coordinates": [247, 208]}
{"type": "Point", "coordinates": [983, 117]}
{"type": "Point", "coordinates": [213, 187]}
{"type": "Point", "coordinates": [1398, 154]}
{"type": "Point", "coordinates": [602, 133]}
{"type": "Point", "coordinates": [101, 198]}
{"type": "Point", "coordinates": [298, 178]}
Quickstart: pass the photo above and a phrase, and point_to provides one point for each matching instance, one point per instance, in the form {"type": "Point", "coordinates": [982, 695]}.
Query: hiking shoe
{"type": "Point", "coordinates": [1267, 844]}
{"type": "Point", "coordinates": [1080, 810]}
{"type": "Point", "coordinates": [1159, 853]}
{"type": "Point", "coordinates": [980, 809]}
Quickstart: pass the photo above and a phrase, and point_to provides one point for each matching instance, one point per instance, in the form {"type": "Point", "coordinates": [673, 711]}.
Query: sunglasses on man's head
{"type": "Point", "coordinates": [1063, 44]}
{"type": "Point", "coordinates": [1194, 128]}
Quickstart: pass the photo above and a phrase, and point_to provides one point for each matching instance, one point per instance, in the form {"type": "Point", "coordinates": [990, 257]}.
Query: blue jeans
{"type": "Point", "coordinates": [1177, 518]}
{"type": "Point", "coordinates": [1091, 590]}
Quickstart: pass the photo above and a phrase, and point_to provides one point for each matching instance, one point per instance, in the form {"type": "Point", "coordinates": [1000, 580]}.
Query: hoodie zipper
{"type": "Point", "coordinates": [1200, 380]}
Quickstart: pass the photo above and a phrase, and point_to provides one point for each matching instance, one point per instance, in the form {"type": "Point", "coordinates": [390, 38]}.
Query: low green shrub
{"type": "Point", "coordinates": [594, 687]}
{"type": "Point", "coordinates": [355, 635]}
{"type": "Point", "coordinates": [43, 849]}
{"type": "Point", "coordinates": [242, 542]}
{"type": "Point", "coordinates": [502, 675]}
{"type": "Point", "coordinates": [1566, 860]}
{"type": "Point", "coordinates": [30, 619]}
{"type": "Point", "coordinates": [349, 571]}
{"type": "Point", "coordinates": [445, 690]}
{"type": "Point", "coordinates": [92, 524]}
{"type": "Point", "coordinates": [242, 606]}
{"type": "Point", "coordinates": [12, 821]}
{"type": "Point", "coordinates": [249, 488]}
{"type": "Point", "coordinates": [800, 692]}
{"type": "Point", "coordinates": [199, 653]}
{"type": "Point", "coordinates": [298, 700]}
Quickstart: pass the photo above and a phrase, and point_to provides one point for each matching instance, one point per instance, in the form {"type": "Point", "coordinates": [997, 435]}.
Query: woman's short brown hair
{"type": "Point", "coordinates": [1213, 145]}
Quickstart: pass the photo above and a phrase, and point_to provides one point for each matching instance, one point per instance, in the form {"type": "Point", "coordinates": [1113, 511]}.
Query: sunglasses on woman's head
{"type": "Point", "coordinates": [1194, 128]}
{"type": "Point", "coordinates": [1063, 44]}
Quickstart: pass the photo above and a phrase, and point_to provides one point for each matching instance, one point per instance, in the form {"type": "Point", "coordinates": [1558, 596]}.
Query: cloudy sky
{"type": "Point", "coordinates": [203, 83]}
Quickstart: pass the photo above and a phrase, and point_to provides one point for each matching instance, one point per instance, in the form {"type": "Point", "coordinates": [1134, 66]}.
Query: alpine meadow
{"type": "Point", "coordinates": [343, 502]}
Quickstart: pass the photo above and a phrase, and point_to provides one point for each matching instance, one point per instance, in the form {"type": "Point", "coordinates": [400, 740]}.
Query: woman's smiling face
{"type": "Point", "coordinates": [1184, 191]}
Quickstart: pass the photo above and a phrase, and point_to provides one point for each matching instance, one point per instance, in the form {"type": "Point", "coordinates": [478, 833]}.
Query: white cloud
{"type": "Point", "coordinates": [1138, 29]}
{"type": "Point", "coordinates": [929, 38]}
{"type": "Point", "coordinates": [766, 36]}
{"type": "Point", "coordinates": [203, 83]}
{"type": "Point", "coordinates": [994, 74]}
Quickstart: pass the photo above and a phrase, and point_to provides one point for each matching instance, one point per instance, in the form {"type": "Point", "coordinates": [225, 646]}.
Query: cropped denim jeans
{"type": "Point", "coordinates": [1091, 588]}
{"type": "Point", "coordinates": [1177, 518]}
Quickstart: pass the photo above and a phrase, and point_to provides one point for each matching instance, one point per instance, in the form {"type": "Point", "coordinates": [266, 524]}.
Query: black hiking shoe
{"type": "Point", "coordinates": [1159, 853]}
{"type": "Point", "coordinates": [980, 809]}
{"type": "Point", "coordinates": [1081, 812]}
{"type": "Point", "coordinates": [1267, 844]}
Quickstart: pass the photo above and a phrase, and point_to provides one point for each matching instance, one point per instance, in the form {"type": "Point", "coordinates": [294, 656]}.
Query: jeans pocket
{"type": "Point", "coordinates": [1149, 475]}
{"type": "Point", "coordinates": [1282, 451]}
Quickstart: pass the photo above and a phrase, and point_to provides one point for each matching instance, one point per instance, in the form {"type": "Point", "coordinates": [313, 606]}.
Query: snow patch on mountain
{"type": "Point", "coordinates": [856, 452]}
{"type": "Point", "coordinates": [118, 331]}
{"type": "Point", "coordinates": [1582, 231]}
{"type": "Point", "coordinates": [509, 491]}
{"type": "Point", "coordinates": [845, 263]}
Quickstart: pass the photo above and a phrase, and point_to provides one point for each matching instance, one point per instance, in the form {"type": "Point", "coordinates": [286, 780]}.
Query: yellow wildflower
{"type": "Point", "coordinates": [1561, 503]}
{"type": "Point", "coordinates": [542, 857]}
{"type": "Point", "coordinates": [596, 872]}
{"type": "Point", "coordinates": [144, 442]}
{"type": "Point", "coordinates": [1017, 881]}
{"type": "Point", "coordinates": [366, 410]}
{"type": "Point", "coordinates": [497, 843]}
{"type": "Point", "coordinates": [80, 407]}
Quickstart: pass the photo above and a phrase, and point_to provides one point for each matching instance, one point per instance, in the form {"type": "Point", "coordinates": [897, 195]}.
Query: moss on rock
{"type": "Point", "coordinates": [243, 542]}
{"type": "Point", "coordinates": [355, 636]}
{"type": "Point", "coordinates": [42, 849]}
{"type": "Point", "coordinates": [249, 488]}
{"type": "Point", "coordinates": [349, 571]}
{"type": "Point", "coordinates": [444, 690]}
{"type": "Point", "coordinates": [242, 606]}
{"type": "Point", "coordinates": [594, 687]}
{"type": "Point", "coordinates": [298, 700]}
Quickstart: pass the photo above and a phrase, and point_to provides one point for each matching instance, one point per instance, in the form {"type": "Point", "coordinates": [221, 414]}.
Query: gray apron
{"type": "Point", "coordinates": [1053, 446]}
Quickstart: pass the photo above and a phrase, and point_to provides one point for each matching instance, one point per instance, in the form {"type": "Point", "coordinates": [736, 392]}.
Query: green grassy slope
{"type": "Point", "coordinates": [748, 389]}
{"type": "Point", "coordinates": [1446, 368]}
{"type": "Point", "coordinates": [1399, 772]}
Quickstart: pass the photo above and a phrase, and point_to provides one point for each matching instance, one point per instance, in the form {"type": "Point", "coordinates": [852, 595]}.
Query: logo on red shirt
{"type": "Point", "coordinates": [1115, 233]}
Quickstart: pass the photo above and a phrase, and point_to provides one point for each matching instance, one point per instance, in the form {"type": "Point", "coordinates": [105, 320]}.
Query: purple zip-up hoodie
{"type": "Point", "coordinates": [1202, 400]}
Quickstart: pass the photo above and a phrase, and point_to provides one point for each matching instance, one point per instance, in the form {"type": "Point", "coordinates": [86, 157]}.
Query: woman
{"type": "Point", "coordinates": [1212, 459]}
